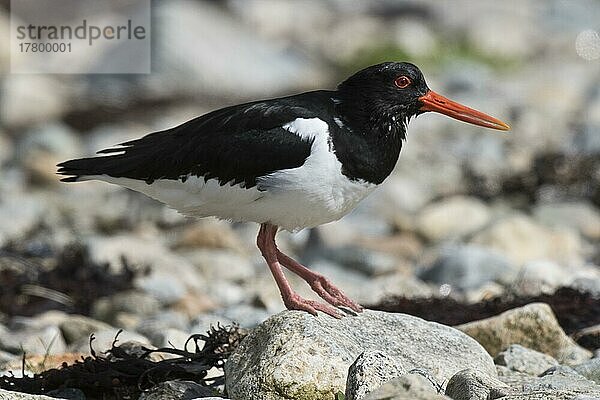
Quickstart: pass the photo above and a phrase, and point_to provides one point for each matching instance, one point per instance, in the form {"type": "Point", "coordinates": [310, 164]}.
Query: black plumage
{"type": "Point", "coordinates": [233, 145]}
{"type": "Point", "coordinates": [238, 144]}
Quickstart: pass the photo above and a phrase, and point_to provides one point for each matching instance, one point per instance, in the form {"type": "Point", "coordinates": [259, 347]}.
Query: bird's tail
{"type": "Point", "coordinates": [84, 168]}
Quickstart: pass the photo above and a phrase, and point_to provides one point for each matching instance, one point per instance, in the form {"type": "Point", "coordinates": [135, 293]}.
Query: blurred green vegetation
{"type": "Point", "coordinates": [444, 54]}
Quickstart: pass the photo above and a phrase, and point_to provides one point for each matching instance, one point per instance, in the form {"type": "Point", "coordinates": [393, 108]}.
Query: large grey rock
{"type": "Point", "coordinates": [407, 387]}
{"type": "Point", "coordinates": [469, 267]}
{"type": "Point", "coordinates": [176, 390]}
{"type": "Point", "coordinates": [469, 384]}
{"type": "Point", "coordinates": [522, 359]}
{"type": "Point", "coordinates": [371, 370]}
{"type": "Point", "coordinates": [533, 326]}
{"type": "Point", "coordinates": [296, 355]}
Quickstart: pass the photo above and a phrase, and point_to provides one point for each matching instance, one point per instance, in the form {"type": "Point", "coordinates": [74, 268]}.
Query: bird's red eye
{"type": "Point", "coordinates": [402, 81]}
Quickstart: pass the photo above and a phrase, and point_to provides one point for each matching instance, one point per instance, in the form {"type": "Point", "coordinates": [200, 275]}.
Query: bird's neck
{"type": "Point", "coordinates": [372, 118]}
{"type": "Point", "coordinates": [367, 140]}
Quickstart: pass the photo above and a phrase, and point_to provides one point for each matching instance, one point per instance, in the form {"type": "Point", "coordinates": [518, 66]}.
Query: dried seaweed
{"type": "Point", "coordinates": [575, 310]}
{"type": "Point", "coordinates": [36, 279]}
{"type": "Point", "coordinates": [562, 176]}
{"type": "Point", "coordinates": [119, 374]}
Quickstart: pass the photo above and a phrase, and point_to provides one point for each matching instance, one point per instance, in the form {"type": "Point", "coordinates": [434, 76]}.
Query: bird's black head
{"type": "Point", "coordinates": [382, 98]}
{"type": "Point", "coordinates": [384, 94]}
{"type": "Point", "coordinates": [389, 86]}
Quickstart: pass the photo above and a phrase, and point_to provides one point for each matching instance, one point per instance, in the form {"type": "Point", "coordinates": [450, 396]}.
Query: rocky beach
{"type": "Point", "coordinates": [478, 259]}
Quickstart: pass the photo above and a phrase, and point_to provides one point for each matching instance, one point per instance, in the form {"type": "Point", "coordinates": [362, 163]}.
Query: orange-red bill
{"type": "Point", "coordinates": [438, 103]}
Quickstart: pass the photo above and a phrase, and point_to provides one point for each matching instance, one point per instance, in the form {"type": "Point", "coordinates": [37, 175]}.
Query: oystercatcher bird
{"type": "Point", "coordinates": [291, 162]}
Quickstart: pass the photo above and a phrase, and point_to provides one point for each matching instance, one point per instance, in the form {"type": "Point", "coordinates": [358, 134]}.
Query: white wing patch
{"type": "Point", "coordinates": [317, 190]}
{"type": "Point", "coordinates": [308, 128]}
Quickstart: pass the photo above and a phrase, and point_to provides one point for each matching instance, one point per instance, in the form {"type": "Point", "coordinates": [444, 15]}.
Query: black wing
{"type": "Point", "coordinates": [233, 145]}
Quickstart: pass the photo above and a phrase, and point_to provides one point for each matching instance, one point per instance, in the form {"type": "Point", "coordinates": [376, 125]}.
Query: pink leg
{"type": "Point", "coordinates": [266, 243]}
{"type": "Point", "coordinates": [320, 284]}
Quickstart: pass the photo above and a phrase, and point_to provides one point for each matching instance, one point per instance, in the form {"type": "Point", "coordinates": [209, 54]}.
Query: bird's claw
{"type": "Point", "coordinates": [331, 294]}
{"type": "Point", "coordinates": [295, 302]}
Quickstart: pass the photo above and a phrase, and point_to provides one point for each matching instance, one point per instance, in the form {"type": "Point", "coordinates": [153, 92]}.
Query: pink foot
{"type": "Point", "coordinates": [319, 284]}
{"type": "Point", "coordinates": [295, 302]}
{"type": "Point", "coordinates": [331, 294]}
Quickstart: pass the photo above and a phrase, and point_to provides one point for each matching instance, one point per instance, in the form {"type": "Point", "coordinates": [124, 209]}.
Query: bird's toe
{"type": "Point", "coordinates": [295, 302]}
{"type": "Point", "coordinates": [333, 295]}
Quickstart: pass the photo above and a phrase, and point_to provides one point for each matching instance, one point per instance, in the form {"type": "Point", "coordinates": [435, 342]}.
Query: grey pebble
{"type": "Point", "coordinates": [176, 390]}
{"type": "Point", "coordinates": [469, 384]}
{"type": "Point", "coordinates": [522, 359]}
{"type": "Point", "coordinates": [590, 369]}
{"type": "Point", "coordinates": [370, 370]}
{"type": "Point", "coordinates": [407, 387]}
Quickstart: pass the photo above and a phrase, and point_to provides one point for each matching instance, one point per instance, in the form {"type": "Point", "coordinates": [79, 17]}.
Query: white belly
{"type": "Point", "coordinates": [285, 202]}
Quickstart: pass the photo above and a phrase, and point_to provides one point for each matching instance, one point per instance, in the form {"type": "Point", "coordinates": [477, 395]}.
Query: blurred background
{"type": "Point", "coordinates": [468, 213]}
